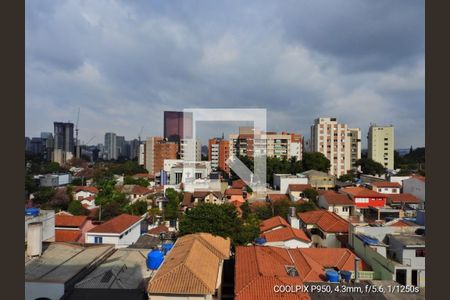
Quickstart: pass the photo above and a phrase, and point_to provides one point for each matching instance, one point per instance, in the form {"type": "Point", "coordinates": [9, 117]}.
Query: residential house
{"type": "Point", "coordinates": [71, 228]}
{"type": "Point", "coordinates": [295, 191]}
{"type": "Point", "coordinates": [120, 231]}
{"type": "Point", "coordinates": [156, 231]}
{"type": "Point", "coordinates": [282, 181]}
{"type": "Point", "coordinates": [273, 223]}
{"type": "Point", "coordinates": [326, 229]}
{"type": "Point", "coordinates": [259, 268]}
{"type": "Point", "coordinates": [320, 180]}
{"type": "Point", "coordinates": [403, 200]}
{"type": "Point", "coordinates": [82, 192]}
{"type": "Point", "coordinates": [287, 237]}
{"type": "Point", "coordinates": [47, 219]}
{"type": "Point", "coordinates": [365, 198]}
{"type": "Point", "coordinates": [276, 197]}
{"type": "Point", "coordinates": [123, 275]}
{"type": "Point", "coordinates": [53, 274]}
{"type": "Point", "coordinates": [192, 269]}
{"type": "Point", "coordinates": [416, 186]}
{"type": "Point", "coordinates": [386, 187]}
{"type": "Point", "coordinates": [135, 192]}
{"type": "Point", "coordinates": [339, 203]}
{"type": "Point", "coordinates": [190, 200]}
{"type": "Point", "coordinates": [235, 192]}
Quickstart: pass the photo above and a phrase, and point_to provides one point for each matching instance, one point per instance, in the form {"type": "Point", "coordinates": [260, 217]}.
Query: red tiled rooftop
{"type": "Point", "coordinates": [299, 187]}
{"type": "Point", "coordinates": [386, 184]}
{"type": "Point", "coordinates": [277, 197]}
{"type": "Point", "coordinates": [325, 220]}
{"type": "Point", "coordinates": [402, 198]}
{"type": "Point", "coordinates": [238, 184]}
{"type": "Point", "coordinates": [335, 198]}
{"type": "Point", "coordinates": [362, 192]}
{"type": "Point", "coordinates": [159, 229]}
{"type": "Point", "coordinates": [70, 236]}
{"type": "Point", "coordinates": [69, 221]}
{"type": "Point", "coordinates": [285, 234]}
{"type": "Point", "coordinates": [401, 223]}
{"type": "Point", "coordinates": [90, 189]}
{"type": "Point", "coordinates": [272, 223]}
{"type": "Point", "coordinates": [116, 225]}
{"type": "Point", "coordinates": [140, 190]}
{"type": "Point", "coordinates": [232, 191]}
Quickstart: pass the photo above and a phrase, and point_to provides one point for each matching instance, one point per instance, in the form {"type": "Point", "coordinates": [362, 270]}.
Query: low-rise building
{"type": "Point", "coordinates": [386, 187]}
{"type": "Point", "coordinates": [71, 228]}
{"type": "Point", "coordinates": [192, 269]}
{"type": "Point", "coordinates": [365, 198]}
{"type": "Point", "coordinates": [326, 229]}
{"type": "Point", "coordinates": [339, 203]}
{"type": "Point", "coordinates": [273, 223]}
{"type": "Point", "coordinates": [402, 200]}
{"type": "Point", "coordinates": [82, 192]}
{"type": "Point", "coordinates": [282, 181]}
{"type": "Point", "coordinates": [295, 191]}
{"type": "Point", "coordinates": [287, 237]}
{"type": "Point", "coordinates": [320, 180]}
{"type": "Point", "coordinates": [190, 200]}
{"type": "Point", "coordinates": [55, 180]}
{"type": "Point", "coordinates": [54, 274]}
{"type": "Point", "coordinates": [121, 231]}
{"type": "Point", "coordinates": [47, 219]}
{"type": "Point", "coordinates": [135, 192]}
{"type": "Point", "coordinates": [416, 186]}
{"type": "Point", "coordinates": [123, 275]}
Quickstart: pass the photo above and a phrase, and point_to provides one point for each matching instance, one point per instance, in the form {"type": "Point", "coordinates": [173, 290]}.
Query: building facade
{"type": "Point", "coordinates": [110, 146]}
{"type": "Point", "coordinates": [63, 142]}
{"type": "Point", "coordinates": [156, 150]}
{"type": "Point", "coordinates": [218, 153]}
{"type": "Point", "coordinates": [338, 143]}
{"type": "Point", "coordinates": [174, 123]}
{"type": "Point", "coordinates": [380, 142]}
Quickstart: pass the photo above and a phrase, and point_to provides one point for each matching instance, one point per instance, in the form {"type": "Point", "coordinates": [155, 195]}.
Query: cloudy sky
{"type": "Point", "coordinates": [124, 62]}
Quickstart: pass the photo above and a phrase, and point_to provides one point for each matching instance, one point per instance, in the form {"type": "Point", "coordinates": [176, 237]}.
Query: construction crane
{"type": "Point", "coordinates": [77, 146]}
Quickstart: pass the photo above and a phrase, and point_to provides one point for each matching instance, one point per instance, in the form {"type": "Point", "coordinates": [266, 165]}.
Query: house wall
{"type": "Point", "coordinates": [406, 256]}
{"type": "Point", "coordinates": [83, 194]}
{"type": "Point", "coordinates": [115, 239]}
{"type": "Point", "coordinates": [416, 187]}
{"type": "Point", "coordinates": [49, 290]}
{"type": "Point", "coordinates": [290, 244]}
{"type": "Point", "coordinates": [281, 183]}
{"type": "Point", "coordinates": [383, 269]}
{"type": "Point", "coordinates": [338, 209]}
{"type": "Point", "coordinates": [47, 217]}
{"type": "Point", "coordinates": [386, 190]}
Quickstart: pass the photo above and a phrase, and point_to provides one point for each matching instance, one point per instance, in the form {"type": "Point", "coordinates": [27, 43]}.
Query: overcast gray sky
{"type": "Point", "coordinates": [125, 62]}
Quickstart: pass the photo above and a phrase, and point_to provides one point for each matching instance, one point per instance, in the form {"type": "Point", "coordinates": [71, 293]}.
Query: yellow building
{"type": "Point", "coordinates": [381, 145]}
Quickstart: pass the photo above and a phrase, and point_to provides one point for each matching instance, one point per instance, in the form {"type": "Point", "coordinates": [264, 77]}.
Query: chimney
{"type": "Point", "coordinates": [357, 260]}
{"type": "Point", "coordinates": [34, 239]}
{"type": "Point", "coordinates": [292, 218]}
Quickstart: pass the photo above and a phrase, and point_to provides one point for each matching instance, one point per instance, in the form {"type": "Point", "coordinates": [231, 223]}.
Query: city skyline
{"type": "Point", "coordinates": [123, 64]}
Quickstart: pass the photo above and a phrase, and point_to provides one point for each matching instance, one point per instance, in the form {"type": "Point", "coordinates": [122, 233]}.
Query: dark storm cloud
{"type": "Point", "coordinates": [125, 62]}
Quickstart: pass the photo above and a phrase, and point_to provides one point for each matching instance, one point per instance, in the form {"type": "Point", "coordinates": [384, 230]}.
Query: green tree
{"type": "Point", "coordinates": [173, 205]}
{"type": "Point", "coordinates": [249, 230]}
{"type": "Point", "coordinates": [245, 207]}
{"type": "Point", "coordinates": [139, 181]}
{"type": "Point", "coordinates": [315, 161]}
{"type": "Point", "coordinates": [137, 208]}
{"type": "Point", "coordinates": [263, 212]}
{"type": "Point", "coordinates": [153, 213]}
{"type": "Point", "coordinates": [371, 167]}
{"type": "Point", "coordinates": [307, 206]}
{"type": "Point", "coordinates": [310, 194]}
{"type": "Point", "coordinates": [43, 195]}
{"type": "Point", "coordinates": [76, 208]}
{"type": "Point", "coordinates": [346, 177]}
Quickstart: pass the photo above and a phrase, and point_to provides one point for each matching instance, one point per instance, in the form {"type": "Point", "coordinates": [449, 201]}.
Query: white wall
{"type": "Point", "coordinates": [284, 182]}
{"type": "Point", "coordinates": [49, 290]}
{"type": "Point", "coordinates": [416, 187]}
{"type": "Point", "coordinates": [83, 194]}
{"type": "Point", "coordinates": [115, 239]}
{"type": "Point", "coordinates": [290, 244]}
{"type": "Point", "coordinates": [47, 217]}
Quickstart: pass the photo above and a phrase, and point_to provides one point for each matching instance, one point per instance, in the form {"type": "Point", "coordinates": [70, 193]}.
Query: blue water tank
{"type": "Point", "coordinates": [154, 259]}
{"type": "Point", "coordinates": [32, 211]}
{"type": "Point", "coordinates": [167, 247]}
{"type": "Point", "coordinates": [346, 275]}
{"type": "Point", "coordinates": [260, 241]}
{"type": "Point", "coordinates": [332, 276]}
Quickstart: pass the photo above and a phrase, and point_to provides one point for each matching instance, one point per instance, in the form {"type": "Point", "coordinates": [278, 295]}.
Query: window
{"type": "Point", "coordinates": [420, 252]}
{"type": "Point", "coordinates": [98, 240]}
{"type": "Point", "coordinates": [345, 208]}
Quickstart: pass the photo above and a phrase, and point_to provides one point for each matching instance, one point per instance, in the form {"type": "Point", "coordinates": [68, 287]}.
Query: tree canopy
{"type": "Point", "coordinates": [315, 161]}
{"type": "Point", "coordinates": [371, 167]}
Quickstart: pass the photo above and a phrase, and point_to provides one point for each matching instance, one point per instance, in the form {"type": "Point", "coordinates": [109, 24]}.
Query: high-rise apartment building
{"type": "Point", "coordinates": [218, 153]}
{"type": "Point", "coordinates": [120, 145]}
{"type": "Point", "coordinates": [156, 150]}
{"type": "Point", "coordinates": [110, 151]}
{"type": "Point", "coordinates": [334, 141]}
{"type": "Point", "coordinates": [380, 143]}
{"type": "Point", "coordinates": [134, 149]}
{"type": "Point", "coordinates": [63, 142]}
{"type": "Point", "coordinates": [174, 123]}
{"type": "Point", "coordinates": [190, 150]}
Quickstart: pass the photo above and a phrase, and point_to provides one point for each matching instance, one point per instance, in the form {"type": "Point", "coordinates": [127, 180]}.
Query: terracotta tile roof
{"type": "Point", "coordinates": [70, 236]}
{"type": "Point", "coordinates": [272, 223]}
{"type": "Point", "coordinates": [236, 203]}
{"type": "Point", "coordinates": [143, 175]}
{"type": "Point", "coordinates": [404, 197]}
{"type": "Point", "coordinates": [192, 266]}
{"type": "Point", "coordinates": [238, 198]}
{"type": "Point", "coordinates": [277, 197]}
{"type": "Point", "coordinates": [386, 184]}
{"type": "Point", "coordinates": [400, 223]}
{"type": "Point", "coordinates": [362, 192]}
{"type": "Point", "coordinates": [421, 178]}
{"type": "Point", "coordinates": [335, 198]}
{"type": "Point", "coordinates": [69, 221]}
{"type": "Point", "coordinates": [285, 234]}
{"type": "Point", "coordinates": [188, 200]}
{"type": "Point", "coordinates": [63, 213]}
{"type": "Point", "coordinates": [230, 192]}
{"type": "Point", "coordinates": [140, 190]}
{"type": "Point", "coordinates": [299, 187]}
{"type": "Point", "coordinates": [238, 184]}
{"type": "Point", "coordinates": [90, 198]}
{"type": "Point", "coordinates": [325, 220]}
{"type": "Point", "coordinates": [116, 225]}
{"type": "Point", "coordinates": [203, 194]}
{"type": "Point", "coordinates": [159, 229]}
{"type": "Point", "coordinates": [90, 189]}
{"type": "Point", "coordinates": [258, 268]}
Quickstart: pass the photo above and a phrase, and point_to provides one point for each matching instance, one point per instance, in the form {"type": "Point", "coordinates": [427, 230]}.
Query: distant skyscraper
{"type": "Point", "coordinates": [63, 143]}
{"type": "Point", "coordinates": [120, 145]}
{"type": "Point", "coordinates": [218, 153]}
{"type": "Point", "coordinates": [134, 148]}
{"type": "Point", "coordinates": [380, 142]}
{"type": "Point", "coordinates": [110, 146]}
{"type": "Point", "coordinates": [173, 125]}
